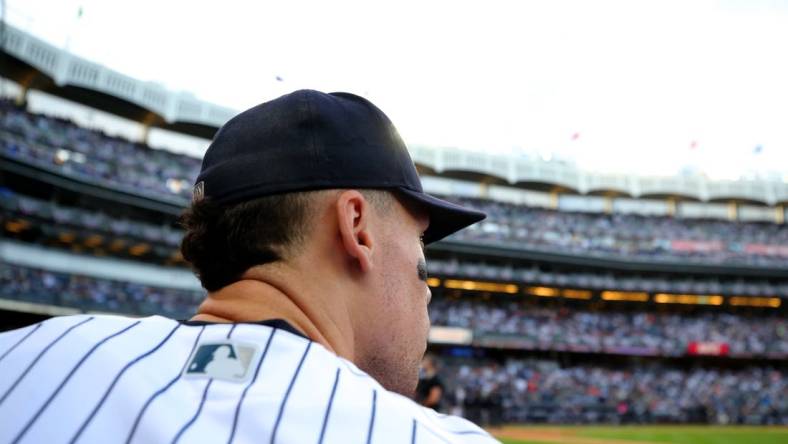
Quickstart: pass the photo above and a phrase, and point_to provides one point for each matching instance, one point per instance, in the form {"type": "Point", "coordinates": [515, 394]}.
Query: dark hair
{"type": "Point", "coordinates": [223, 241]}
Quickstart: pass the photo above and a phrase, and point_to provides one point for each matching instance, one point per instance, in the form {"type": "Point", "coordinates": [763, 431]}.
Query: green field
{"type": "Point", "coordinates": [643, 435]}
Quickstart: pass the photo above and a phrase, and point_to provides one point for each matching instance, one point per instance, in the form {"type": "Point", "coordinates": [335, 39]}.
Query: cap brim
{"type": "Point", "coordinates": [445, 217]}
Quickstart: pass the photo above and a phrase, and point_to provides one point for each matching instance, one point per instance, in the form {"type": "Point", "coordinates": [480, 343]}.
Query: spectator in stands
{"type": "Point", "coordinates": [429, 391]}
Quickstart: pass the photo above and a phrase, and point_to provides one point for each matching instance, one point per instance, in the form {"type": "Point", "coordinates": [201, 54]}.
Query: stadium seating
{"type": "Point", "coordinates": [606, 280]}
{"type": "Point", "coordinates": [42, 221]}
{"type": "Point", "coordinates": [633, 332]}
{"type": "Point", "coordinates": [578, 330]}
{"type": "Point", "coordinates": [85, 154]}
{"type": "Point", "coordinates": [89, 155]}
{"type": "Point", "coordinates": [541, 391]}
{"type": "Point", "coordinates": [87, 293]}
{"type": "Point", "coordinates": [628, 236]}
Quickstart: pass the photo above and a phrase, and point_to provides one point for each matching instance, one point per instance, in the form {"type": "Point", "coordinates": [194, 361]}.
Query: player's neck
{"type": "Point", "coordinates": [254, 299]}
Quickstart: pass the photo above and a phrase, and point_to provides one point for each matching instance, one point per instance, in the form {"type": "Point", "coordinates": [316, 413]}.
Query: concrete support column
{"type": "Point", "coordinates": [149, 120]}
{"type": "Point", "coordinates": [24, 88]}
{"type": "Point", "coordinates": [672, 207]}
{"type": "Point", "coordinates": [608, 204]}
{"type": "Point", "coordinates": [554, 195]}
{"type": "Point", "coordinates": [21, 98]}
{"type": "Point", "coordinates": [733, 211]}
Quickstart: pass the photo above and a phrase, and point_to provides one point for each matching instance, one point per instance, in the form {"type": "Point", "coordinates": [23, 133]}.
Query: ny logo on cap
{"type": "Point", "coordinates": [198, 192]}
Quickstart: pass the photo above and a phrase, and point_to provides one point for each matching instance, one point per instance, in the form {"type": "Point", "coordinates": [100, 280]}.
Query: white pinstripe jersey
{"type": "Point", "coordinates": [112, 379]}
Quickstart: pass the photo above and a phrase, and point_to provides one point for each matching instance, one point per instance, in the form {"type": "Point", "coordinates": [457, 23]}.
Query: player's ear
{"type": "Point", "coordinates": [353, 217]}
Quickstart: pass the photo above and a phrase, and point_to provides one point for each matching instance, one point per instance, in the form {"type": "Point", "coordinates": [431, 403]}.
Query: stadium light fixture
{"type": "Point", "coordinates": [631, 296]}
{"type": "Point", "coordinates": [547, 292]}
{"type": "Point", "coordinates": [62, 156]}
{"type": "Point", "coordinates": [176, 185]}
{"type": "Point", "coordinates": [117, 245]}
{"type": "Point", "coordinates": [745, 301]}
{"type": "Point", "coordinates": [688, 299]}
{"type": "Point", "coordinates": [494, 287]}
{"type": "Point", "coordinates": [570, 293]}
{"type": "Point", "coordinates": [433, 282]}
{"type": "Point", "coordinates": [17, 226]}
{"type": "Point", "coordinates": [66, 236]}
{"type": "Point", "coordinates": [94, 241]}
{"type": "Point", "coordinates": [139, 249]}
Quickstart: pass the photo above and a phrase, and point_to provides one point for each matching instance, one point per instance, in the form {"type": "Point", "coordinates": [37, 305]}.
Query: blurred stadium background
{"type": "Point", "coordinates": [583, 299]}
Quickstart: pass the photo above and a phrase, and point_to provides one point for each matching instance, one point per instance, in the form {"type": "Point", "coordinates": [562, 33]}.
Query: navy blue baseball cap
{"type": "Point", "coordinates": [309, 140]}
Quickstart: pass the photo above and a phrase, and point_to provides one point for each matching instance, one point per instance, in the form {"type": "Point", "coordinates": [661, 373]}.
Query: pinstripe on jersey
{"type": "Point", "coordinates": [31, 329]}
{"type": "Point", "coordinates": [115, 381]}
{"type": "Point", "coordinates": [38, 356]}
{"type": "Point", "coordinates": [47, 402]}
{"type": "Point", "coordinates": [110, 379]}
{"type": "Point", "coordinates": [248, 386]}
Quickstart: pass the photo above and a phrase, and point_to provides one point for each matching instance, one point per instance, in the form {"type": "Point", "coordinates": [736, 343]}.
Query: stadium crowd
{"type": "Point", "coordinates": [86, 293]}
{"type": "Point", "coordinates": [53, 220]}
{"type": "Point", "coordinates": [59, 217]}
{"type": "Point", "coordinates": [643, 333]}
{"type": "Point", "coordinates": [86, 154]}
{"type": "Point", "coordinates": [630, 236]}
{"type": "Point", "coordinates": [525, 390]}
{"type": "Point", "coordinates": [533, 390]}
{"type": "Point", "coordinates": [90, 155]}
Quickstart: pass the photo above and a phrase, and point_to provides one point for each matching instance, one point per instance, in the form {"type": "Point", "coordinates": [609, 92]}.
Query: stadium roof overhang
{"type": "Point", "coordinates": [23, 73]}
{"type": "Point", "coordinates": [425, 170]}
{"type": "Point", "coordinates": [36, 64]}
{"type": "Point", "coordinates": [738, 200]}
{"type": "Point", "coordinates": [191, 128]}
{"type": "Point", "coordinates": [671, 196]}
{"type": "Point", "coordinates": [551, 187]}
{"type": "Point", "coordinates": [29, 77]}
{"type": "Point", "coordinates": [474, 176]}
{"type": "Point", "coordinates": [608, 193]}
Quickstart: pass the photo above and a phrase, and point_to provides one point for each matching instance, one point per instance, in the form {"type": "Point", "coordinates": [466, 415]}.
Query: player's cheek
{"type": "Point", "coordinates": [425, 319]}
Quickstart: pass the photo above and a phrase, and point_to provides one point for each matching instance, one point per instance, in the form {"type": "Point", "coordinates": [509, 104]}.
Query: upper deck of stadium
{"type": "Point", "coordinates": [37, 65]}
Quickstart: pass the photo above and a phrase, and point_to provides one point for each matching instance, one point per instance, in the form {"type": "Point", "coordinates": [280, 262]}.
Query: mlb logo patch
{"type": "Point", "coordinates": [229, 361]}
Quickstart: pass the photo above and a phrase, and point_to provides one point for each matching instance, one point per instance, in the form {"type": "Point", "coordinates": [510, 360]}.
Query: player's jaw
{"type": "Point", "coordinates": [401, 279]}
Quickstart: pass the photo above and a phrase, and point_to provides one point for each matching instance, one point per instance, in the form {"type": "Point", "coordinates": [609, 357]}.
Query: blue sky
{"type": "Point", "coordinates": [622, 86]}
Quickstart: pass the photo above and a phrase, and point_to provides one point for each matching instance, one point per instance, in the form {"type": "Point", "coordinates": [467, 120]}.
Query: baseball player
{"type": "Point", "coordinates": [307, 229]}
